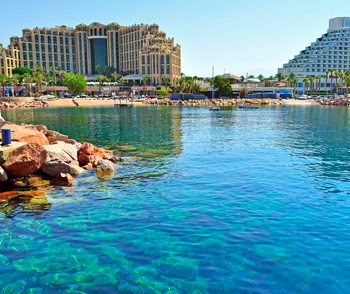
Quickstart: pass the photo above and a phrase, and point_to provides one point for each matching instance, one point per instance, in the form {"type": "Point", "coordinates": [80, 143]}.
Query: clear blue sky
{"type": "Point", "coordinates": [236, 36]}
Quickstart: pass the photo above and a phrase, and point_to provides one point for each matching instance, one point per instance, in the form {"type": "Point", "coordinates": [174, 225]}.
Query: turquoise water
{"type": "Point", "coordinates": [237, 201]}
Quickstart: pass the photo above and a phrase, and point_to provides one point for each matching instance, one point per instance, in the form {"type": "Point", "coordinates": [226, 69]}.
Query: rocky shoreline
{"type": "Point", "coordinates": [335, 102]}
{"type": "Point", "coordinates": [21, 103]}
{"type": "Point", "coordinates": [217, 102]}
{"type": "Point", "coordinates": [42, 157]}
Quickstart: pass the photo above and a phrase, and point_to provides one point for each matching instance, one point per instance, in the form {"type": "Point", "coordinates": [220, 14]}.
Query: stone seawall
{"type": "Point", "coordinates": [217, 102]}
{"type": "Point", "coordinates": [6, 103]}
{"type": "Point", "coordinates": [335, 102]}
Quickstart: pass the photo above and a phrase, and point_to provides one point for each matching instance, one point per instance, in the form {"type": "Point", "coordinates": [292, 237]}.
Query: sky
{"type": "Point", "coordinates": [239, 37]}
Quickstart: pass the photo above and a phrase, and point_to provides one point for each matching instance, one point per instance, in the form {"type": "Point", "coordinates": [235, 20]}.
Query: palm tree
{"type": "Point", "coordinates": [328, 75]}
{"type": "Point", "coordinates": [3, 82]}
{"type": "Point", "coordinates": [101, 81]}
{"type": "Point", "coordinates": [313, 80]}
{"type": "Point", "coordinates": [27, 80]}
{"type": "Point", "coordinates": [305, 84]}
{"type": "Point", "coordinates": [145, 80]}
{"type": "Point", "coordinates": [115, 76]}
{"type": "Point", "coordinates": [337, 77]}
{"type": "Point", "coordinates": [280, 77]}
{"type": "Point", "coordinates": [38, 77]}
{"type": "Point", "coordinates": [54, 71]}
{"type": "Point", "coordinates": [290, 79]}
{"type": "Point", "coordinates": [62, 74]}
{"type": "Point", "coordinates": [347, 84]}
{"type": "Point", "coordinates": [318, 83]}
{"type": "Point", "coordinates": [15, 78]}
{"type": "Point", "coordinates": [99, 69]}
{"type": "Point", "coordinates": [166, 81]}
{"type": "Point", "coordinates": [180, 84]}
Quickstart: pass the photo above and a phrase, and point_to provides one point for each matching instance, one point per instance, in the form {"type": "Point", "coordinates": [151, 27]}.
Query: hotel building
{"type": "Point", "coordinates": [9, 59]}
{"type": "Point", "coordinates": [329, 52]}
{"type": "Point", "coordinates": [138, 49]}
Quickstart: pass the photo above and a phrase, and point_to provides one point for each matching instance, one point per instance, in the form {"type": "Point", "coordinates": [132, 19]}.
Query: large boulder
{"type": "Point", "coordinates": [3, 175]}
{"type": "Point", "coordinates": [68, 148]}
{"type": "Point", "coordinates": [28, 135]}
{"type": "Point", "coordinates": [61, 158]}
{"type": "Point", "coordinates": [55, 167]}
{"type": "Point", "coordinates": [25, 160]}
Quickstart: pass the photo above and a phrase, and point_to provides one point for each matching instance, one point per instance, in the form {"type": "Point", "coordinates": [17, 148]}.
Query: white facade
{"type": "Point", "coordinates": [329, 52]}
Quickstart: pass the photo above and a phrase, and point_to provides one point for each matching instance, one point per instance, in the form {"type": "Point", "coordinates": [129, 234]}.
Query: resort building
{"type": "Point", "coordinates": [9, 59]}
{"type": "Point", "coordinates": [86, 49]}
{"type": "Point", "coordinates": [329, 52]}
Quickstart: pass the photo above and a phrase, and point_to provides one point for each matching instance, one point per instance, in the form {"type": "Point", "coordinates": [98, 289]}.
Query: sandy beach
{"type": "Point", "coordinates": [299, 102]}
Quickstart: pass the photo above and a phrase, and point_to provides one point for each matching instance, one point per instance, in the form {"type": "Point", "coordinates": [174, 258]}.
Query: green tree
{"type": "Point", "coordinates": [280, 77]}
{"type": "Point", "coordinates": [75, 83]}
{"type": "Point", "coordinates": [38, 78]}
{"type": "Point", "coordinates": [223, 85]}
{"type": "Point", "coordinates": [306, 82]}
{"type": "Point", "coordinates": [347, 84]}
{"type": "Point", "coordinates": [261, 77]}
{"type": "Point", "coordinates": [101, 79]}
{"type": "Point", "coordinates": [121, 83]}
{"type": "Point", "coordinates": [27, 80]}
{"type": "Point", "coordinates": [328, 75]}
{"type": "Point", "coordinates": [166, 81]}
{"type": "Point", "coordinates": [21, 71]}
{"type": "Point", "coordinates": [115, 76]}
{"type": "Point", "coordinates": [3, 82]}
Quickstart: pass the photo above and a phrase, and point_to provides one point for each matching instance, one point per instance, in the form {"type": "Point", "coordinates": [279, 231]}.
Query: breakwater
{"type": "Point", "coordinates": [217, 102]}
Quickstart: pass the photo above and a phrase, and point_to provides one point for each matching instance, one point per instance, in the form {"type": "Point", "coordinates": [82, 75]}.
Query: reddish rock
{"type": "Point", "coordinates": [64, 179]}
{"type": "Point", "coordinates": [22, 134]}
{"type": "Point", "coordinates": [85, 159]}
{"type": "Point", "coordinates": [57, 137]}
{"type": "Point", "coordinates": [25, 160]}
{"type": "Point", "coordinates": [90, 153]}
{"type": "Point", "coordinates": [87, 148]}
{"type": "Point", "coordinates": [42, 129]}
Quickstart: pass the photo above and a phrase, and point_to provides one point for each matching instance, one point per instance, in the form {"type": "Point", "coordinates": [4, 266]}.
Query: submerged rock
{"type": "Point", "coordinates": [104, 168]}
{"type": "Point", "coordinates": [25, 160]}
{"type": "Point", "coordinates": [8, 195]}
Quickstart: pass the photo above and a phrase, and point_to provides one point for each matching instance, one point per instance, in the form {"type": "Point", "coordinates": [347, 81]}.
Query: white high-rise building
{"type": "Point", "coordinates": [329, 52]}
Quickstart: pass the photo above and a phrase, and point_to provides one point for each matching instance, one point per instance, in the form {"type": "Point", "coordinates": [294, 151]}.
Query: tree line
{"type": "Point", "coordinates": [33, 80]}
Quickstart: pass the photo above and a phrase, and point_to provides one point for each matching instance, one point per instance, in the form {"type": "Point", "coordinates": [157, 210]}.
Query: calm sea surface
{"type": "Point", "coordinates": [237, 201]}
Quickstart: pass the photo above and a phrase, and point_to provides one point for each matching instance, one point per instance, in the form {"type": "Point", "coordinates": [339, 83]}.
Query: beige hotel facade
{"type": "Point", "coordinates": [137, 49]}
